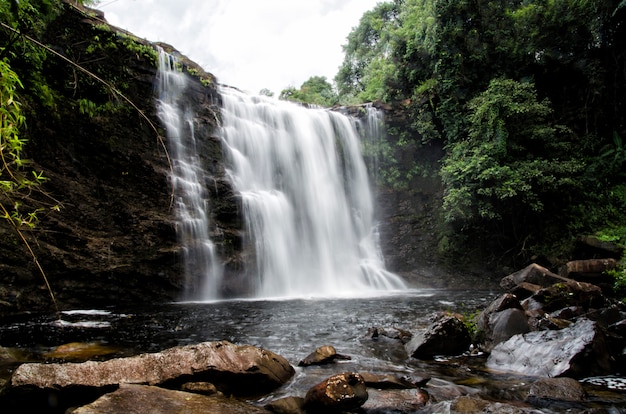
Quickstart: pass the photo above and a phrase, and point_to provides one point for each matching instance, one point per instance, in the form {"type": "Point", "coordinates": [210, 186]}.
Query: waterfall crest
{"type": "Point", "coordinates": [203, 270]}
{"type": "Point", "coordinates": [306, 198]}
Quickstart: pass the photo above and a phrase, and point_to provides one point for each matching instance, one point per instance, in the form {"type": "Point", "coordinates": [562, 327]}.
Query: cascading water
{"type": "Point", "coordinates": [306, 199]}
{"type": "Point", "coordinates": [203, 271]}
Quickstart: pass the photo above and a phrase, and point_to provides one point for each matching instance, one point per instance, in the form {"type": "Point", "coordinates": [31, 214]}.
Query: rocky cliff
{"type": "Point", "coordinates": [113, 240]}
{"type": "Point", "coordinates": [98, 139]}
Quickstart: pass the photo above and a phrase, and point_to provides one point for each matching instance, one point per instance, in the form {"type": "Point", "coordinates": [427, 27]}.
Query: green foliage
{"type": "Point", "coordinates": [527, 98]}
{"type": "Point", "coordinates": [316, 90]}
{"type": "Point", "coordinates": [367, 66]}
{"type": "Point", "coordinates": [15, 182]}
{"type": "Point", "coordinates": [511, 159]}
{"type": "Point", "coordinates": [266, 92]}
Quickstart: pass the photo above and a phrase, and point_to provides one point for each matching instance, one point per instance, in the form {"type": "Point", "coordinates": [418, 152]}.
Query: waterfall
{"type": "Point", "coordinates": [306, 198]}
{"type": "Point", "coordinates": [203, 271]}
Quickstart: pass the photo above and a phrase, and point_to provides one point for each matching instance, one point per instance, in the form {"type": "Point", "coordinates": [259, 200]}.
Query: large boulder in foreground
{"type": "Point", "coordinates": [239, 370]}
{"type": "Point", "coordinates": [576, 351]}
{"type": "Point", "coordinates": [140, 399]}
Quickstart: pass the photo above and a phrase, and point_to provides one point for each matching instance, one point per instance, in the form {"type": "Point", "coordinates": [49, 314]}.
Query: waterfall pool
{"type": "Point", "coordinates": [292, 328]}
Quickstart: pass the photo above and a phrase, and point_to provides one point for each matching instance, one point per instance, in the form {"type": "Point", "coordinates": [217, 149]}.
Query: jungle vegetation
{"type": "Point", "coordinates": [528, 99]}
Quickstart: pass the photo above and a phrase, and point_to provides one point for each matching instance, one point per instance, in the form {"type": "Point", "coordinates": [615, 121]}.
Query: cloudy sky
{"type": "Point", "coordinates": [249, 44]}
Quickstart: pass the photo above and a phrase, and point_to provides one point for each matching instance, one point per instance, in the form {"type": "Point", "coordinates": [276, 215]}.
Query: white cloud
{"type": "Point", "coordinates": [249, 44]}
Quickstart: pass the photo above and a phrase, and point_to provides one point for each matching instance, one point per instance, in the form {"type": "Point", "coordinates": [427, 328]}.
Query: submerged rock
{"type": "Point", "coordinates": [286, 405]}
{"type": "Point", "coordinates": [576, 351]}
{"type": "Point", "coordinates": [140, 399]}
{"type": "Point", "coordinates": [80, 351]}
{"type": "Point", "coordinates": [556, 389]}
{"type": "Point", "coordinates": [389, 381]}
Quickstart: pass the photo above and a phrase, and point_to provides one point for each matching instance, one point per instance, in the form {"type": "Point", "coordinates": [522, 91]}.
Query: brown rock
{"type": "Point", "coordinates": [287, 405]}
{"type": "Point", "coordinates": [80, 351]}
{"type": "Point", "coordinates": [388, 381]}
{"type": "Point", "coordinates": [561, 389]}
{"type": "Point", "coordinates": [204, 388]}
{"type": "Point", "coordinates": [533, 274]}
{"type": "Point", "coordinates": [242, 370]}
{"type": "Point", "coordinates": [326, 354]}
{"type": "Point", "coordinates": [141, 399]}
{"type": "Point", "coordinates": [341, 392]}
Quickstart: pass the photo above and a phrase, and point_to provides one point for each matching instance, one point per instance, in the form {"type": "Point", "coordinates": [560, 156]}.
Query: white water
{"type": "Point", "coordinates": [306, 198]}
{"type": "Point", "coordinates": [203, 271]}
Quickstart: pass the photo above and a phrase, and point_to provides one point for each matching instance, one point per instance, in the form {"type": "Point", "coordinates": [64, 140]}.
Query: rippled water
{"type": "Point", "coordinates": [291, 328]}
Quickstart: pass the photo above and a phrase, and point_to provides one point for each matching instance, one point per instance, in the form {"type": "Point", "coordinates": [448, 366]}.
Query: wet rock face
{"type": "Point", "coordinates": [576, 351]}
{"type": "Point", "coordinates": [115, 232]}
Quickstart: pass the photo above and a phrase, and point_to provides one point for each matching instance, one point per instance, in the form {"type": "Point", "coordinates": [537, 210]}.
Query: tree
{"type": "Point", "coordinates": [266, 92]}
{"type": "Point", "coordinates": [316, 90]}
{"type": "Point", "coordinates": [367, 66]}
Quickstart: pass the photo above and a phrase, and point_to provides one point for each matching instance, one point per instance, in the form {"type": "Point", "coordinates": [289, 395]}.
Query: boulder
{"type": "Point", "coordinates": [234, 369]}
{"type": "Point", "coordinates": [500, 320]}
{"type": "Point", "coordinates": [590, 268]}
{"type": "Point", "coordinates": [140, 399]}
{"type": "Point", "coordinates": [448, 335]}
{"type": "Point", "coordinates": [503, 325]}
{"type": "Point", "coordinates": [80, 351]}
{"type": "Point", "coordinates": [396, 401]}
{"type": "Point", "coordinates": [576, 351]}
{"type": "Point", "coordinates": [570, 293]}
{"type": "Point", "coordinates": [326, 354]}
{"type": "Point", "coordinates": [376, 332]}
{"type": "Point", "coordinates": [473, 404]}
{"type": "Point", "coordinates": [533, 274]}
{"type": "Point", "coordinates": [286, 405]}
{"type": "Point", "coordinates": [341, 392]}
{"type": "Point", "coordinates": [545, 390]}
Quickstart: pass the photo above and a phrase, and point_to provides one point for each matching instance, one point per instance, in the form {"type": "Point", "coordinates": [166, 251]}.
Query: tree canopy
{"type": "Point", "coordinates": [527, 98]}
{"type": "Point", "coordinates": [316, 90]}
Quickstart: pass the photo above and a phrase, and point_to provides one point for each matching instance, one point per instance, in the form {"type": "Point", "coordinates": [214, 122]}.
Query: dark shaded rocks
{"type": "Point", "coordinates": [239, 370]}
{"type": "Point", "coordinates": [570, 293]}
{"type": "Point", "coordinates": [502, 319]}
{"type": "Point", "coordinates": [545, 390]}
{"type": "Point", "coordinates": [396, 401]}
{"type": "Point", "coordinates": [448, 335]}
{"type": "Point", "coordinates": [376, 332]}
{"type": "Point", "coordinates": [472, 404]}
{"type": "Point", "coordinates": [326, 354]}
{"type": "Point", "coordinates": [286, 405]}
{"type": "Point", "coordinates": [576, 351]}
{"type": "Point", "coordinates": [141, 399]}
{"type": "Point", "coordinates": [533, 274]}
{"type": "Point", "coordinates": [340, 392]}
